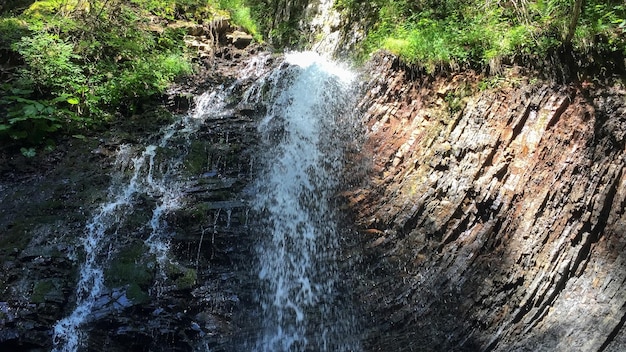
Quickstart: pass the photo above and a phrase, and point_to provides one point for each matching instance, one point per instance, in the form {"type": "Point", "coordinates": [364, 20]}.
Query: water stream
{"type": "Point", "coordinates": [298, 171]}
{"type": "Point", "coordinates": [137, 173]}
{"type": "Point", "coordinates": [301, 163]}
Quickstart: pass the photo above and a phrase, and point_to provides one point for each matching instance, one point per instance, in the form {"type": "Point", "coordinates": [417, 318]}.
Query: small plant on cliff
{"type": "Point", "coordinates": [241, 14]}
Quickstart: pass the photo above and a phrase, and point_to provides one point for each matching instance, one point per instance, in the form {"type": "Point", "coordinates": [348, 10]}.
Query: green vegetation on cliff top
{"type": "Point", "coordinates": [461, 33]}
{"type": "Point", "coordinates": [70, 65]}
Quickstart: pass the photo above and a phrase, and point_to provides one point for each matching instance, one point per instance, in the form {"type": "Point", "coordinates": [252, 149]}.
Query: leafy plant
{"type": "Point", "coordinates": [50, 64]}
{"type": "Point", "coordinates": [12, 30]}
{"type": "Point", "coordinates": [81, 62]}
{"type": "Point", "coordinates": [459, 33]}
{"type": "Point", "coordinates": [241, 16]}
{"type": "Point", "coordinates": [31, 120]}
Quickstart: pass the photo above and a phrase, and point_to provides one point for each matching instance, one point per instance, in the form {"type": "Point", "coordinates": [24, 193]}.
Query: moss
{"type": "Point", "coordinates": [132, 265]}
{"type": "Point", "coordinates": [195, 213]}
{"type": "Point", "coordinates": [40, 290]}
{"type": "Point", "coordinates": [16, 238]}
{"type": "Point", "coordinates": [457, 98]}
{"type": "Point", "coordinates": [187, 280]}
{"type": "Point", "coordinates": [183, 277]}
{"type": "Point", "coordinates": [136, 294]}
{"type": "Point", "coordinates": [197, 158]}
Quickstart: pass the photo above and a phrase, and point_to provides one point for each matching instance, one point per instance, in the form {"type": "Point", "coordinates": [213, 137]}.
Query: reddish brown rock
{"type": "Point", "coordinates": [495, 218]}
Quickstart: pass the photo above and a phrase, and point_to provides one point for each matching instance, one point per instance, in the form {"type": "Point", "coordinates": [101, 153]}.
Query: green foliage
{"type": "Point", "coordinates": [433, 33]}
{"type": "Point", "coordinates": [161, 8]}
{"type": "Point", "coordinates": [40, 290]}
{"type": "Point", "coordinates": [200, 10]}
{"type": "Point", "coordinates": [32, 120]}
{"type": "Point", "coordinates": [457, 98]}
{"type": "Point", "coordinates": [136, 294]}
{"type": "Point", "coordinates": [80, 63]}
{"type": "Point", "coordinates": [12, 30]}
{"type": "Point", "coordinates": [193, 10]}
{"type": "Point", "coordinates": [137, 81]}
{"type": "Point", "coordinates": [184, 278]}
{"type": "Point", "coordinates": [241, 15]}
{"type": "Point", "coordinates": [50, 64]}
{"type": "Point", "coordinates": [278, 20]}
{"type": "Point", "coordinates": [131, 267]}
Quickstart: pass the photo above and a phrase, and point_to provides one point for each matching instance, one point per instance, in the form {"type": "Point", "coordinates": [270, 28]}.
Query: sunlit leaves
{"type": "Point", "coordinates": [450, 32]}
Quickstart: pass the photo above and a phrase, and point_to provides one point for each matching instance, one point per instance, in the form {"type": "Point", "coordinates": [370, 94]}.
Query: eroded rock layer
{"type": "Point", "coordinates": [493, 215]}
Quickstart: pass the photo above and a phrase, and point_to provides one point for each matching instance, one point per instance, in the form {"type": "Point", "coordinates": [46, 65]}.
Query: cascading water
{"type": "Point", "coordinates": [147, 177]}
{"type": "Point", "coordinates": [307, 114]}
{"type": "Point", "coordinates": [298, 172]}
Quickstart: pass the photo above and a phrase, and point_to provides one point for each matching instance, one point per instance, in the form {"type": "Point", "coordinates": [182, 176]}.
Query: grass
{"type": "Point", "coordinates": [473, 33]}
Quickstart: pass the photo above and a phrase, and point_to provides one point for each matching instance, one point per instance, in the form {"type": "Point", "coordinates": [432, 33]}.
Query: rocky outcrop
{"type": "Point", "coordinates": [192, 302]}
{"type": "Point", "coordinates": [493, 215]}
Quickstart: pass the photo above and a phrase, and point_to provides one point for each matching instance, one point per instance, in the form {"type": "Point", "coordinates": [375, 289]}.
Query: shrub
{"type": "Point", "coordinates": [49, 64]}
{"type": "Point", "coordinates": [82, 62]}
{"type": "Point", "coordinates": [433, 33]}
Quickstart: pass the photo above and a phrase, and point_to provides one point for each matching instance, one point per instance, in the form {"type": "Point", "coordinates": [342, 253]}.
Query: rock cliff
{"type": "Point", "coordinates": [191, 301]}
{"type": "Point", "coordinates": [492, 216]}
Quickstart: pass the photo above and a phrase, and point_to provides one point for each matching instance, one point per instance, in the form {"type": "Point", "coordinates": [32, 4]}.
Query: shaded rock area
{"type": "Point", "coordinates": [44, 204]}
{"type": "Point", "coordinates": [190, 303]}
{"type": "Point", "coordinates": [493, 215]}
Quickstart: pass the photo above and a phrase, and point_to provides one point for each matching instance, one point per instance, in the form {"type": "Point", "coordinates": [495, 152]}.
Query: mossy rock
{"type": "Point", "coordinates": [15, 239]}
{"type": "Point", "coordinates": [197, 159]}
{"type": "Point", "coordinates": [131, 266]}
{"type": "Point", "coordinates": [47, 290]}
{"type": "Point", "coordinates": [40, 289]}
{"type": "Point", "coordinates": [191, 215]}
{"type": "Point", "coordinates": [136, 294]}
{"type": "Point", "coordinates": [184, 278]}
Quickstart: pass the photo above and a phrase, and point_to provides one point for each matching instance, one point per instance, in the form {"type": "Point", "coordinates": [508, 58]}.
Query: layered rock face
{"type": "Point", "coordinates": [492, 218]}
{"type": "Point", "coordinates": [194, 299]}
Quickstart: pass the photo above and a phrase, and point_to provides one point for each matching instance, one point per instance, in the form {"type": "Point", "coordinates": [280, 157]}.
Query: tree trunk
{"type": "Point", "coordinates": [571, 28]}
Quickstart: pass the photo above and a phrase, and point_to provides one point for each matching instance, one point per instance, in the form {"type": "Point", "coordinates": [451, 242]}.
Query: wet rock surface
{"type": "Point", "coordinates": [46, 201]}
{"type": "Point", "coordinates": [492, 217]}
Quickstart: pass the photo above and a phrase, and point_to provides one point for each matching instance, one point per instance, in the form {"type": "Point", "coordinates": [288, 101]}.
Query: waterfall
{"type": "Point", "coordinates": [308, 106]}
{"type": "Point", "coordinates": [67, 333]}
{"type": "Point", "coordinates": [301, 298]}
{"type": "Point", "coordinates": [137, 173]}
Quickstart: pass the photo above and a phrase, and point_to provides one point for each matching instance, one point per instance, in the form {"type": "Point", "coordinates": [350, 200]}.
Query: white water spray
{"type": "Point", "coordinates": [67, 333]}
{"type": "Point", "coordinates": [294, 198]}
{"type": "Point", "coordinates": [161, 184]}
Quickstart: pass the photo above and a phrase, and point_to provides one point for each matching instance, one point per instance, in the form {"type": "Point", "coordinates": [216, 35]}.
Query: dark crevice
{"type": "Point", "coordinates": [513, 285]}
{"type": "Point", "coordinates": [458, 230]}
{"type": "Point", "coordinates": [493, 235]}
{"type": "Point", "coordinates": [558, 287]}
{"type": "Point", "coordinates": [411, 222]}
{"type": "Point", "coordinates": [557, 114]}
{"type": "Point", "coordinates": [613, 333]}
{"type": "Point", "coordinates": [502, 172]}
{"type": "Point", "coordinates": [540, 211]}
{"type": "Point", "coordinates": [603, 217]}
{"type": "Point", "coordinates": [583, 254]}
{"type": "Point", "coordinates": [521, 121]}
{"type": "Point", "coordinates": [521, 312]}
{"type": "Point", "coordinates": [488, 161]}
{"type": "Point", "coordinates": [595, 232]}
